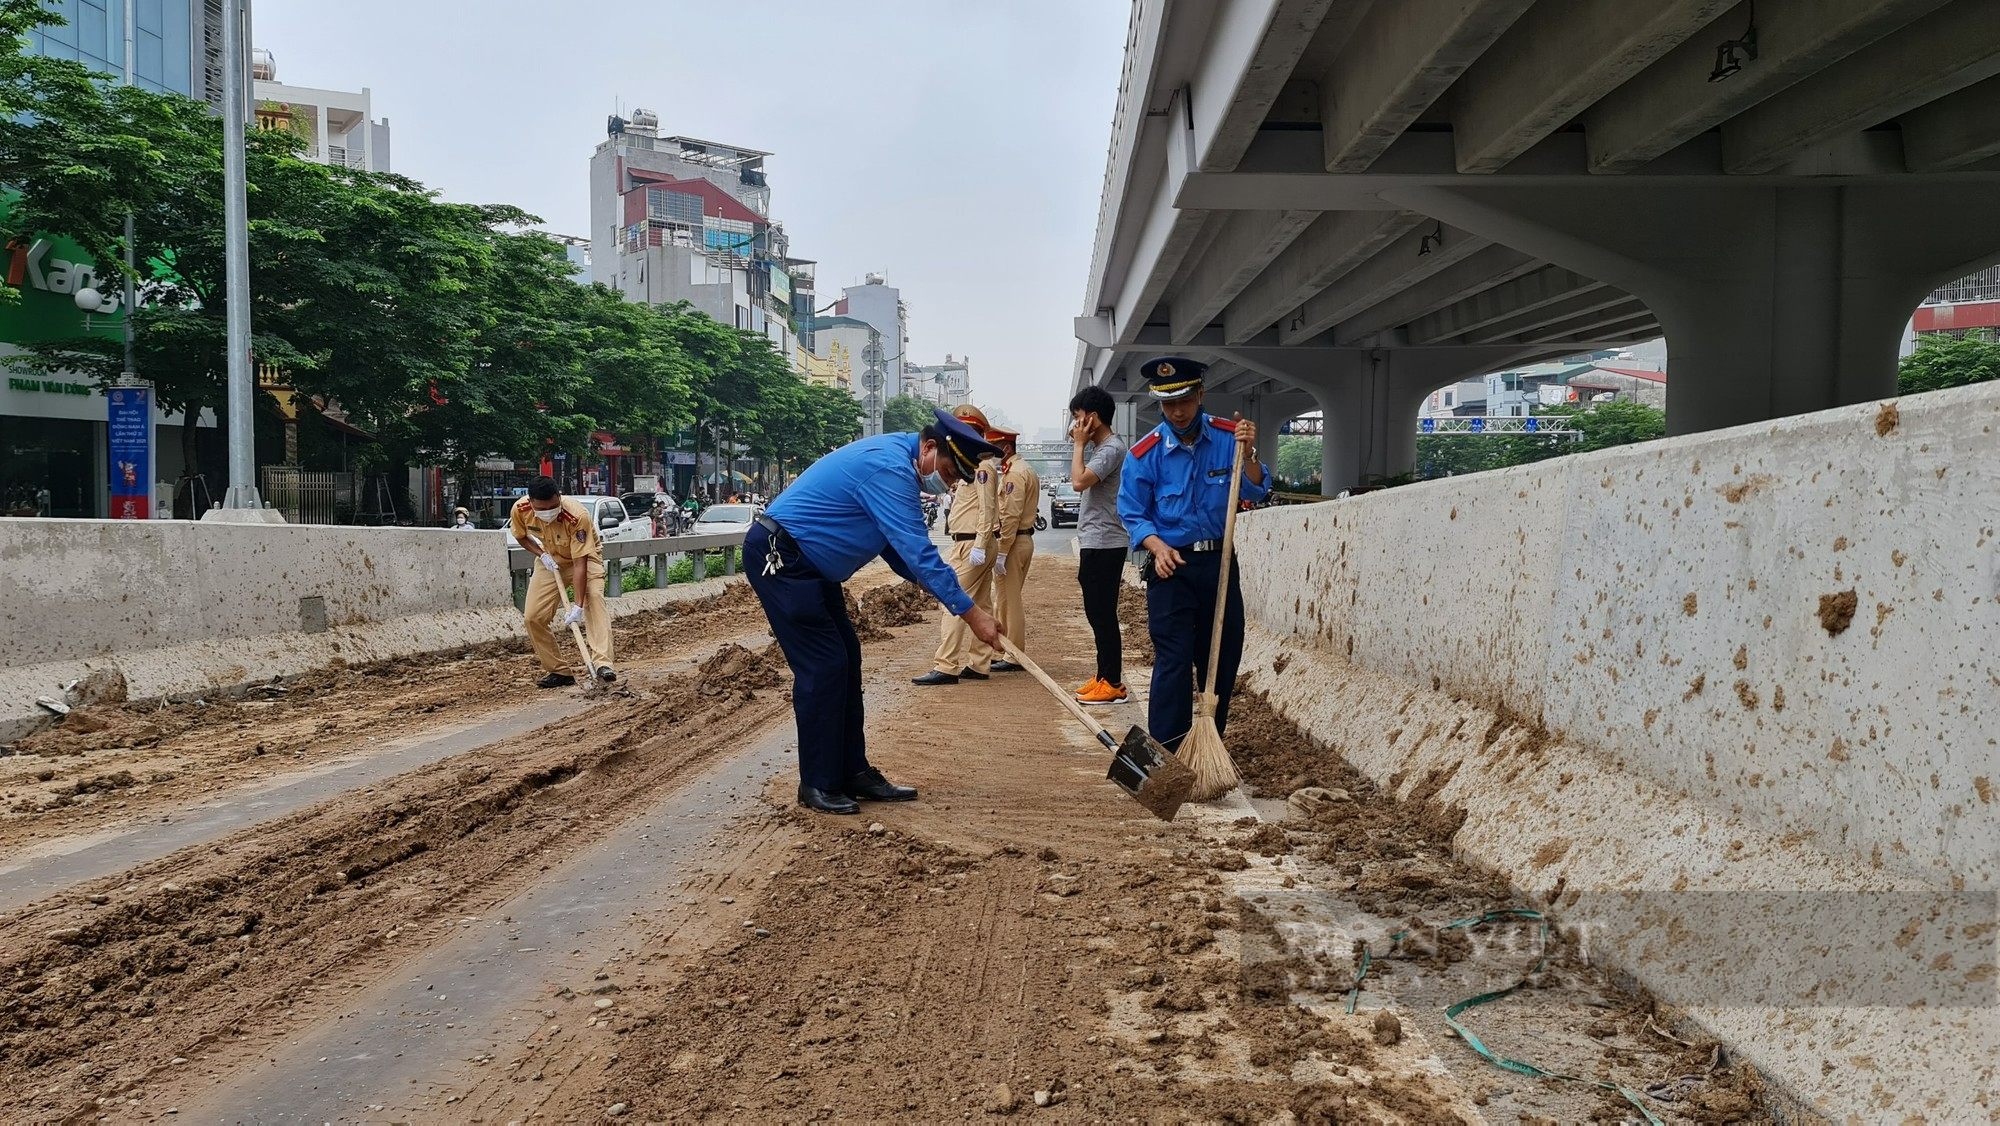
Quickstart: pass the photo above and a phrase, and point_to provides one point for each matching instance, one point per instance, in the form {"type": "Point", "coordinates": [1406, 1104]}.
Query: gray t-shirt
{"type": "Point", "coordinates": [1097, 523]}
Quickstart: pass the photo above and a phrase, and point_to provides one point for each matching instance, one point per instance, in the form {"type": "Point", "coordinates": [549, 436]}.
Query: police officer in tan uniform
{"type": "Point", "coordinates": [559, 532]}
{"type": "Point", "coordinates": [971, 521]}
{"type": "Point", "coordinates": [1020, 503]}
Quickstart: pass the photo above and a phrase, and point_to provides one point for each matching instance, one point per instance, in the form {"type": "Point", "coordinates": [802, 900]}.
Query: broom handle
{"type": "Point", "coordinates": [1056, 690]}
{"type": "Point", "coordinates": [1228, 546]}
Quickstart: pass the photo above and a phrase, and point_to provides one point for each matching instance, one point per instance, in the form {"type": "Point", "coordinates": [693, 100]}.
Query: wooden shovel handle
{"type": "Point", "coordinates": [1068, 700]}
{"type": "Point", "coordinates": [1228, 550]}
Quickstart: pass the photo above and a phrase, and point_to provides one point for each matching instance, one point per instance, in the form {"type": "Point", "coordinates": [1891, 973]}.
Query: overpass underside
{"type": "Point", "coordinates": [1346, 204]}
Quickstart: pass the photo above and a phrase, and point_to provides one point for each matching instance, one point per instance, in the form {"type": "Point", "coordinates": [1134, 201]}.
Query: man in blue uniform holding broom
{"type": "Point", "coordinates": [1173, 495]}
{"type": "Point", "coordinates": [855, 503]}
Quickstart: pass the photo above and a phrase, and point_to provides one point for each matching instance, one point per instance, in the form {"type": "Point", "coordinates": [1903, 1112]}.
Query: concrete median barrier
{"type": "Point", "coordinates": [1725, 703]}
{"type": "Point", "coordinates": [166, 609]}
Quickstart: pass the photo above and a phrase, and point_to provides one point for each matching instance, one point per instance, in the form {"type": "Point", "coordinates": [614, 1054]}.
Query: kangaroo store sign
{"type": "Point", "coordinates": [46, 271]}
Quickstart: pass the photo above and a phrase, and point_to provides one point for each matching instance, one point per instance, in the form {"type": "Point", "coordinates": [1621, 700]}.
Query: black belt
{"type": "Point", "coordinates": [1200, 547]}
{"type": "Point", "coordinates": [1025, 532]}
{"type": "Point", "coordinates": [779, 536]}
{"type": "Point", "coordinates": [963, 536]}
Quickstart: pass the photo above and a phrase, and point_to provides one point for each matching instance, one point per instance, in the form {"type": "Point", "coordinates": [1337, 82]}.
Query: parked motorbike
{"type": "Point", "coordinates": [930, 512]}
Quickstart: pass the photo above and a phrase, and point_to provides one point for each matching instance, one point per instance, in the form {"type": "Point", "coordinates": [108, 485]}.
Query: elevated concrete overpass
{"type": "Point", "coordinates": [1345, 204]}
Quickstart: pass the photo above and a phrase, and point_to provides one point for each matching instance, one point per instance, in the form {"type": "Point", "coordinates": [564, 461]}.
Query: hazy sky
{"type": "Point", "coordinates": [956, 146]}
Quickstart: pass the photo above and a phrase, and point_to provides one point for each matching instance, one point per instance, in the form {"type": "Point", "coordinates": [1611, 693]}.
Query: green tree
{"type": "Point", "coordinates": [906, 414]}
{"type": "Point", "coordinates": [1948, 361]}
{"type": "Point", "coordinates": [1601, 426]}
{"type": "Point", "coordinates": [1617, 424]}
{"type": "Point", "coordinates": [1298, 458]}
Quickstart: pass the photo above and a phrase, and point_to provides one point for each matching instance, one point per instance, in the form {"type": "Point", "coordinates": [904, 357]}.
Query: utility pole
{"type": "Point", "coordinates": [236, 246]}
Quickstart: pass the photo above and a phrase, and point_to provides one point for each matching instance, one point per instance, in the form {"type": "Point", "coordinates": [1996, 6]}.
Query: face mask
{"type": "Point", "coordinates": [1193, 429]}
{"type": "Point", "coordinates": [933, 483]}
{"type": "Point", "coordinates": [547, 514]}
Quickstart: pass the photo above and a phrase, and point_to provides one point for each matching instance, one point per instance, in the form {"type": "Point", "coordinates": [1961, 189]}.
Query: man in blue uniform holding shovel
{"type": "Point", "coordinates": [855, 503]}
{"type": "Point", "coordinates": [1173, 496]}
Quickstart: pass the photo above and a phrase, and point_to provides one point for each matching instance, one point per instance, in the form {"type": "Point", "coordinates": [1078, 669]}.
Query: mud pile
{"type": "Point", "coordinates": [733, 668]}
{"type": "Point", "coordinates": [1394, 858]}
{"type": "Point", "coordinates": [1132, 615]}
{"type": "Point", "coordinates": [89, 729]}
{"type": "Point", "coordinates": [887, 607]}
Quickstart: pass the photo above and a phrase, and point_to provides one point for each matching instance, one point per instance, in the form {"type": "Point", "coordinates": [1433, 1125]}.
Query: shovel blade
{"type": "Point", "coordinates": [1151, 774]}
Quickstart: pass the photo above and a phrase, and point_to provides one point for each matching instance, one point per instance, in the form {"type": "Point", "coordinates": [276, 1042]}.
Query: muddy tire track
{"type": "Point", "coordinates": [197, 957]}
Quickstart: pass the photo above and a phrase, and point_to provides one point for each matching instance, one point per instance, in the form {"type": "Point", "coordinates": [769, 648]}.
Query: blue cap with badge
{"type": "Point", "coordinates": [967, 446]}
{"type": "Point", "coordinates": [1172, 377]}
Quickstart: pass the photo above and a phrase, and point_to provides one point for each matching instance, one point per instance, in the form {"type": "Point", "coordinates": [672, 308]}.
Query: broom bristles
{"type": "Point", "coordinates": [1204, 753]}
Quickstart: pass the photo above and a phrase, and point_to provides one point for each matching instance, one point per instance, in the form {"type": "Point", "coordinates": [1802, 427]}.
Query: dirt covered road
{"type": "Point", "coordinates": [1024, 941]}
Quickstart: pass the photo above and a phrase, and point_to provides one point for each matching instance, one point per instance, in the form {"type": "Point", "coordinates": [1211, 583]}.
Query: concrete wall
{"type": "Point", "coordinates": [1619, 664]}
{"type": "Point", "coordinates": [75, 589]}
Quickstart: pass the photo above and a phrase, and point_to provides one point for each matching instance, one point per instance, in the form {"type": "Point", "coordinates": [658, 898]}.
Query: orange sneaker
{"type": "Point", "coordinates": [1103, 692]}
{"type": "Point", "coordinates": [1088, 687]}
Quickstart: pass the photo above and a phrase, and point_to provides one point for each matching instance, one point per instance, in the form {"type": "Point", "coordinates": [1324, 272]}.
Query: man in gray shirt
{"type": "Point", "coordinates": [1100, 536]}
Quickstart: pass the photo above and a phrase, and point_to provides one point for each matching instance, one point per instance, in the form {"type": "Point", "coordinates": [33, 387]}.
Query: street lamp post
{"type": "Point", "coordinates": [236, 231]}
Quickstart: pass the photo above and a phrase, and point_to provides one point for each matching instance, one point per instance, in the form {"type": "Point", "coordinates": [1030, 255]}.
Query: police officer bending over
{"type": "Point", "coordinates": [558, 531]}
{"type": "Point", "coordinates": [855, 503]}
{"type": "Point", "coordinates": [1173, 495]}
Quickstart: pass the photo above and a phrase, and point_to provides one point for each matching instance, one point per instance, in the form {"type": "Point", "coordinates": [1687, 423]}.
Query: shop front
{"type": "Point", "coordinates": [55, 450]}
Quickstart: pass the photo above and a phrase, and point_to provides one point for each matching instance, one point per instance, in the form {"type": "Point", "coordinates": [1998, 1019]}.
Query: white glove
{"type": "Point", "coordinates": [574, 617]}
{"type": "Point", "coordinates": [549, 561]}
{"type": "Point", "coordinates": [978, 557]}
{"type": "Point", "coordinates": [1000, 565]}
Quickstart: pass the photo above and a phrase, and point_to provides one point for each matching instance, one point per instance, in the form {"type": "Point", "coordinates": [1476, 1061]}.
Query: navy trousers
{"type": "Point", "coordinates": [808, 615]}
{"type": "Point", "coordinates": [1180, 615]}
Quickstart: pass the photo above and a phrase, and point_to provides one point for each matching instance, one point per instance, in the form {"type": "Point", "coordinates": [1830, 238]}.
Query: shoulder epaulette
{"type": "Point", "coordinates": [1145, 445]}
{"type": "Point", "coordinates": [522, 503]}
{"type": "Point", "coordinates": [1228, 424]}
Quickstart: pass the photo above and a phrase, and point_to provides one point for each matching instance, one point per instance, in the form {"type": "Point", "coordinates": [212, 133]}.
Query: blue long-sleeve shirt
{"type": "Point", "coordinates": [1180, 491]}
{"type": "Point", "coordinates": [860, 501]}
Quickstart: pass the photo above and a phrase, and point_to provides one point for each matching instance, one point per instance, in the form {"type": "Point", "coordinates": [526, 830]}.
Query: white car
{"type": "Point", "coordinates": [614, 524]}
{"type": "Point", "coordinates": [720, 518]}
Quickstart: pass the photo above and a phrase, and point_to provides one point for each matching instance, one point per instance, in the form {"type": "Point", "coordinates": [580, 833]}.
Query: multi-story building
{"type": "Point", "coordinates": [861, 346]}
{"type": "Point", "coordinates": [577, 250]}
{"type": "Point", "coordinates": [166, 46]}
{"type": "Point", "coordinates": [53, 431]}
{"type": "Point", "coordinates": [834, 370]}
{"type": "Point", "coordinates": [677, 219]}
{"type": "Point", "coordinates": [947, 384]}
{"type": "Point", "coordinates": [1968, 306]}
{"type": "Point", "coordinates": [337, 126]}
{"type": "Point", "coordinates": [879, 304]}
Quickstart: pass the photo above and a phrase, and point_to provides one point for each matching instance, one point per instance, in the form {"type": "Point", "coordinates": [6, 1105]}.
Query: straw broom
{"type": "Point", "coordinates": [1203, 750]}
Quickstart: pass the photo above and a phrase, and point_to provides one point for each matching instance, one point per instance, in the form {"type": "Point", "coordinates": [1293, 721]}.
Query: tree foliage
{"type": "Point", "coordinates": [1601, 426]}
{"type": "Point", "coordinates": [906, 414]}
{"type": "Point", "coordinates": [446, 330]}
{"type": "Point", "coordinates": [1948, 361]}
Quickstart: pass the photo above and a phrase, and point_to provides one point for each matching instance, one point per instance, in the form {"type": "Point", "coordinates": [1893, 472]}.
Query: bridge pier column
{"type": "Point", "coordinates": [1776, 299]}
{"type": "Point", "coordinates": [1370, 399]}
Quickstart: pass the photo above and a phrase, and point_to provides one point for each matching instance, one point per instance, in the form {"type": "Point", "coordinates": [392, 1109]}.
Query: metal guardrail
{"type": "Point", "coordinates": [657, 553]}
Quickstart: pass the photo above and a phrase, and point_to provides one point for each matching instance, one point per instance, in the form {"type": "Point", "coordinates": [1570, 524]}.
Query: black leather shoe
{"type": "Point", "coordinates": [1006, 666]}
{"type": "Point", "coordinates": [556, 680]}
{"type": "Point", "coordinates": [825, 801]}
{"type": "Point", "coordinates": [934, 678]}
{"type": "Point", "coordinates": [969, 674]}
{"type": "Point", "coordinates": [869, 785]}
{"type": "Point", "coordinates": [606, 674]}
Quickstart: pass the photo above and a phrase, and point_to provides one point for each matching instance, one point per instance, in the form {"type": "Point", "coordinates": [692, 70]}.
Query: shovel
{"type": "Point", "coordinates": [576, 631]}
{"type": "Point", "coordinates": [1139, 765]}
